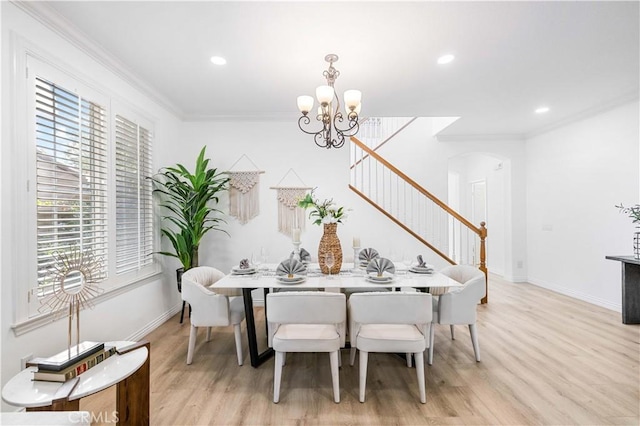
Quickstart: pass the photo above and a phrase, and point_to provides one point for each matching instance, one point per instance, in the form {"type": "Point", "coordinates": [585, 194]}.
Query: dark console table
{"type": "Point", "coordinates": [630, 288]}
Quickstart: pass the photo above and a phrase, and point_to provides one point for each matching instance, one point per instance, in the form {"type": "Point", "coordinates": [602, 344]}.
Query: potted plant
{"type": "Point", "coordinates": [190, 199]}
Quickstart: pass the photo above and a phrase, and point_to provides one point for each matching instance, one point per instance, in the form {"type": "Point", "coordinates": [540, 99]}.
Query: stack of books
{"type": "Point", "coordinates": [70, 363]}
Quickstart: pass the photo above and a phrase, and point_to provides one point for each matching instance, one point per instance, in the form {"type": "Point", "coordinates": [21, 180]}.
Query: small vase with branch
{"type": "Point", "coordinates": [634, 213]}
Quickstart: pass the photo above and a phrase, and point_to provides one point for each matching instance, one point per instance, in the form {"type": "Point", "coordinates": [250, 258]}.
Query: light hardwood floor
{"type": "Point", "coordinates": [546, 359]}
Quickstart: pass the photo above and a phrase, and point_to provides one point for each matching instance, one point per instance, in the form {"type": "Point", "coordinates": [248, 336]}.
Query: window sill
{"type": "Point", "coordinates": [23, 327]}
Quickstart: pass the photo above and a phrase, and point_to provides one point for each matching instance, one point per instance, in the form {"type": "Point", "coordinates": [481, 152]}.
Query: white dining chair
{"type": "Point", "coordinates": [459, 305]}
{"type": "Point", "coordinates": [209, 308]}
{"type": "Point", "coordinates": [390, 322]}
{"type": "Point", "coordinates": [311, 321]}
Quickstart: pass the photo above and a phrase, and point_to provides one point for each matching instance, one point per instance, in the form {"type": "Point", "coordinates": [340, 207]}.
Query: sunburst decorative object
{"type": "Point", "coordinates": [74, 275]}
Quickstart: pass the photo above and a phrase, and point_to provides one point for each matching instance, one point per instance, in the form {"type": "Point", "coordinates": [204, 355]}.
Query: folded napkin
{"type": "Point", "coordinates": [379, 266]}
{"type": "Point", "coordinates": [290, 267]}
{"type": "Point", "coordinates": [305, 256]}
{"type": "Point", "coordinates": [422, 267]}
{"type": "Point", "coordinates": [368, 254]}
{"type": "Point", "coordinates": [244, 264]}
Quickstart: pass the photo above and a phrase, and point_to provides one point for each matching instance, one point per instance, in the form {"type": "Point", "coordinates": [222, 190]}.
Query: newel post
{"type": "Point", "coordinates": [483, 260]}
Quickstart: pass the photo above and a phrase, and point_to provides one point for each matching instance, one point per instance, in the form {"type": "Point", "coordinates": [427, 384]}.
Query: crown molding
{"type": "Point", "coordinates": [46, 15]}
{"type": "Point", "coordinates": [589, 112]}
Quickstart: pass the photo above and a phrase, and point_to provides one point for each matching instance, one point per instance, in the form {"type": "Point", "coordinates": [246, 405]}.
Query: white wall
{"type": "Point", "coordinates": [575, 176]}
{"type": "Point", "coordinates": [128, 315]}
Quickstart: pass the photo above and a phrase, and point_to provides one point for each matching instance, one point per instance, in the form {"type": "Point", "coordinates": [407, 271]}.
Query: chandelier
{"type": "Point", "coordinates": [331, 135]}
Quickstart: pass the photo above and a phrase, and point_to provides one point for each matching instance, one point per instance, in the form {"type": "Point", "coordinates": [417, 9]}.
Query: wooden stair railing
{"type": "Point", "coordinates": [365, 183]}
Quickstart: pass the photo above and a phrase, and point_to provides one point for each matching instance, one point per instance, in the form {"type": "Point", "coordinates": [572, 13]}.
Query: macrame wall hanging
{"type": "Point", "coordinates": [244, 192]}
{"type": "Point", "coordinates": [290, 216]}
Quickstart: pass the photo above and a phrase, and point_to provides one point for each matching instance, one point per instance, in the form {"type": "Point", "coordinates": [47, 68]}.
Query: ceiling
{"type": "Point", "coordinates": [511, 57]}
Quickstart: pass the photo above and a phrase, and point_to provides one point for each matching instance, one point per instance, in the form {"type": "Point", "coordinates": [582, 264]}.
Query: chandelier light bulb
{"type": "Point", "coordinates": [324, 94]}
{"type": "Point", "coordinates": [352, 98]}
{"type": "Point", "coordinates": [305, 104]}
{"type": "Point", "coordinates": [358, 109]}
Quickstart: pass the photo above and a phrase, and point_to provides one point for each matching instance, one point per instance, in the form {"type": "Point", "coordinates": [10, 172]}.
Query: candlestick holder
{"type": "Point", "coordinates": [356, 263]}
{"type": "Point", "coordinates": [296, 251]}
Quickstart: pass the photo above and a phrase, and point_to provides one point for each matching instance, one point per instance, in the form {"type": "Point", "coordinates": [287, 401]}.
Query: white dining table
{"type": "Point", "coordinates": [349, 278]}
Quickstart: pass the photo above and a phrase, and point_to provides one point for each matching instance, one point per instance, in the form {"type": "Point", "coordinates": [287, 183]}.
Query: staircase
{"type": "Point", "coordinates": [409, 205]}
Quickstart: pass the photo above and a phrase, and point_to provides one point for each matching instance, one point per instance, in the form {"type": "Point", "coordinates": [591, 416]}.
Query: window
{"type": "Point", "coordinates": [86, 161]}
{"type": "Point", "coordinates": [71, 177]}
{"type": "Point", "coordinates": [134, 208]}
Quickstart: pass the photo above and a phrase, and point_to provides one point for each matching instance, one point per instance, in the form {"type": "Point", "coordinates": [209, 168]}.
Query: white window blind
{"type": "Point", "coordinates": [134, 208]}
{"type": "Point", "coordinates": [71, 177]}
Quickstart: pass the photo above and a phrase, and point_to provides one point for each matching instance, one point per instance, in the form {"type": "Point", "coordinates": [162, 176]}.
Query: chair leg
{"type": "Point", "coordinates": [453, 336]}
{"type": "Point", "coordinates": [408, 357]}
{"type": "Point", "coordinates": [335, 376]}
{"type": "Point", "coordinates": [238, 336]}
{"type": "Point", "coordinates": [364, 359]}
{"type": "Point", "coordinates": [208, 334]}
{"type": "Point", "coordinates": [192, 343]}
{"type": "Point", "coordinates": [432, 331]}
{"type": "Point", "coordinates": [184, 303]}
{"type": "Point", "coordinates": [352, 356]}
{"type": "Point", "coordinates": [339, 358]}
{"type": "Point", "coordinates": [420, 373]}
{"type": "Point", "coordinates": [474, 340]}
{"type": "Point", "coordinates": [277, 376]}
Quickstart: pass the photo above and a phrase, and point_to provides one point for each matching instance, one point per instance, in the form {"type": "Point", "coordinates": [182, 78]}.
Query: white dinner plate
{"type": "Point", "coordinates": [246, 271]}
{"type": "Point", "coordinates": [381, 280]}
{"type": "Point", "coordinates": [297, 279]}
{"type": "Point", "coordinates": [419, 270]}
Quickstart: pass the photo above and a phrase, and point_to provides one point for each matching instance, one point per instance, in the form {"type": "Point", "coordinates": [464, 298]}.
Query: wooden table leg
{"type": "Point", "coordinates": [132, 396]}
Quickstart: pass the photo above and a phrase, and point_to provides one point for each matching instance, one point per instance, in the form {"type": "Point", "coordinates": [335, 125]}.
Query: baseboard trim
{"type": "Point", "coordinates": [576, 294]}
{"type": "Point", "coordinates": [155, 323]}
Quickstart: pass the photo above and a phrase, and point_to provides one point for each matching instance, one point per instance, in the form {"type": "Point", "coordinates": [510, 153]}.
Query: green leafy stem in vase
{"type": "Point", "coordinates": [322, 212]}
{"type": "Point", "coordinates": [633, 212]}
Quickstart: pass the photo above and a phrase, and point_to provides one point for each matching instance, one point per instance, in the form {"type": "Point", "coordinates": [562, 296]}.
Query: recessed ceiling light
{"type": "Point", "coordinates": [542, 110]}
{"type": "Point", "coordinates": [218, 60]}
{"type": "Point", "coordinates": [445, 59]}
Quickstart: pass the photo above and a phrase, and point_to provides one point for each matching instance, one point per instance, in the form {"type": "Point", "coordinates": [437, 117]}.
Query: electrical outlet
{"type": "Point", "coordinates": [24, 360]}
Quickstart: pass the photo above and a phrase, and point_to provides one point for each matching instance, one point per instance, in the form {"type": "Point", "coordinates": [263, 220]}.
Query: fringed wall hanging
{"type": "Point", "coordinates": [290, 216]}
{"type": "Point", "coordinates": [244, 192]}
